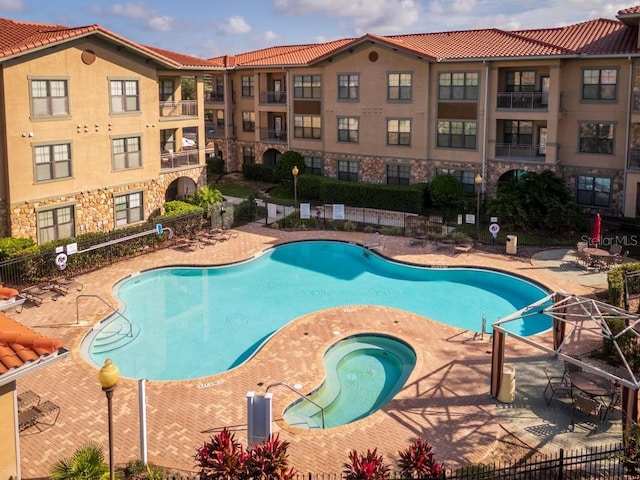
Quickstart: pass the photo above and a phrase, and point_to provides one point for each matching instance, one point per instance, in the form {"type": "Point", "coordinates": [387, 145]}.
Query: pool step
{"type": "Point", "coordinates": [114, 335]}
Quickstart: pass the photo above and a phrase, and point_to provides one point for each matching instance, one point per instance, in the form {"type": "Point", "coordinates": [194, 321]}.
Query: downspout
{"type": "Point", "coordinates": [627, 136]}
{"type": "Point", "coordinates": [288, 93]}
{"type": "Point", "coordinates": [484, 128]}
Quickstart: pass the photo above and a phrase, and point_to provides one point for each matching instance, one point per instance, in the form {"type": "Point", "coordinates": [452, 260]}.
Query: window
{"type": "Point", "coordinates": [457, 134]}
{"type": "Point", "coordinates": [168, 140]}
{"type": "Point", "coordinates": [348, 170]}
{"type": "Point", "coordinates": [248, 155]}
{"type": "Point", "coordinates": [128, 209]}
{"type": "Point", "coordinates": [49, 98]}
{"type": "Point", "coordinates": [458, 86]}
{"type": "Point", "coordinates": [521, 81]}
{"type": "Point", "coordinates": [399, 132]}
{"type": "Point", "coordinates": [465, 177]}
{"type": "Point", "coordinates": [248, 121]}
{"type": "Point", "coordinates": [247, 86]}
{"type": "Point", "coordinates": [306, 86]}
{"type": "Point", "coordinates": [124, 96]}
{"type": "Point", "coordinates": [56, 224]}
{"type": "Point", "coordinates": [220, 118]}
{"type": "Point", "coordinates": [517, 132]}
{"type": "Point", "coordinates": [314, 165]}
{"type": "Point", "coordinates": [166, 90]}
{"type": "Point", "coordinates": [126, 153]}
{"type": "Point", "coordinates": [52, 161]}
{"type": "Point", "coordinates": [349, 86]}
{"type": "Point", "coordinates": [399, 86]}
{"type": "Point", "coordinates": [398, 174]}
{"type": "Point", "coordinates": [348, 129]}
{"type": "Point", "coordinates": [594, 191]}
{"type": "Point", "coordinates": [599, 84]}
{"type": "Point", "coordinates": [219, 92]}
{"type": "Point", "coordinates": [596, 138]}
{"type": "Point", "coordinates": [307, 126]}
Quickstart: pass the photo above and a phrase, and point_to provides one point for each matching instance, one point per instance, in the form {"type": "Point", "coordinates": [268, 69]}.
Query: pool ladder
{"type": "Point", "coordinates": [304, 397]}
{"type": "Point", "coordinates": [114, 311]}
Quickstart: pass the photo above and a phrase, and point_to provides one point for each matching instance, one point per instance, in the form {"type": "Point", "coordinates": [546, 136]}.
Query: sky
{"type": "Point", "coordinates": [212, 28]}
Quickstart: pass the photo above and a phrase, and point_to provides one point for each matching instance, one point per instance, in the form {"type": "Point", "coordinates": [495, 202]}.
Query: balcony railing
{"type": "Point", "coordinates": [183, 108]}
{"type": "Point", "coordinates": [523, 100]}
{"type": "Point", "coordinates": [529, 153]}
{"type": "Point", "coordinates": [634, 159]}
{"type": "Point", "coordinates": [278, 97]}
{"type": "Point", "coordinates": [178, 159]}
{"type": "Point", "coordinates": [213, 97]}
{"type": "Point", "coordinates": [271, 135]}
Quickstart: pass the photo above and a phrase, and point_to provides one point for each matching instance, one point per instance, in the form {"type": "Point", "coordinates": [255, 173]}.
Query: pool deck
{"type": "Point", "coordinates": [445, 401]}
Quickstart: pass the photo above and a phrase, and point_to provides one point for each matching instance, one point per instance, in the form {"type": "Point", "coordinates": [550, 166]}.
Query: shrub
{"type": "Point", "coordinates": [417, 462]}
{"type": "Point", "coordinates": [87, 463]}
{"type": "Point", "coordinates": [138, 470]}
{"type": "Point", "coordinates": [366, 467]}
{"type": "Point", "coordinates": [282, 172]}
{"type": "Point", "coordinates": [446, 192]}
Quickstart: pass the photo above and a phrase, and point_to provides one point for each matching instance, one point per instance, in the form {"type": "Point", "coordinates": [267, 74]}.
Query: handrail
{"type": "Point", "coordinates": [130, 334]}
{"type": "Point", "coordinates": [305, 397]}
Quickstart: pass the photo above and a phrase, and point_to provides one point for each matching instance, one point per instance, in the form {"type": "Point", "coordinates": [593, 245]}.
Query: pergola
{"type": "Point", "coordinates": [579, 328]}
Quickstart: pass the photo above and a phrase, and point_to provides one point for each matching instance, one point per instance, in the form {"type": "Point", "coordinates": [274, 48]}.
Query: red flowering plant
{"type": "Point", "coordinates": [370, 466]}
{"type": "Point", "coordinates": [417, 462]}
{"type": "Point", "coordinates": [222, 458]}
{"type": "Point", "coordinates": [269, 460]}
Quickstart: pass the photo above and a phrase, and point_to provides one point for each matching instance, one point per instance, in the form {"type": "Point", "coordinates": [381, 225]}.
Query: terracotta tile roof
{"type": "Point", "coordinates": [19, 37]}
{"type": "Point", "coordinates": [21, 348]}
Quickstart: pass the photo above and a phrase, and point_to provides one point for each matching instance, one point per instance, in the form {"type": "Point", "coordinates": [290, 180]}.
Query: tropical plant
{"type": "Point", "coordinates": [417, 462]}
{"type": "Point", "coordinates": [87, 463]}
{"type": "Point", "coordinates": [222, 458]}
{"type": "Point", "coordinates": [206, 197]}
{"type": "Point", "coordinates": [369, 466]}
{"type": "Point", "coordinates": [269, 459]}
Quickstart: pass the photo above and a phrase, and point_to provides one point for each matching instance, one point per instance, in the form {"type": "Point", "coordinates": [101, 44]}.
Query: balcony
{"type": "Point", "coordinates": [278, 97]}
{"type": "Point", "coordinates": [271, 135]}
{"type": "Point", "coordinates": [181, 109]}
{"type": "Point", "coordinates": [178, 159]}
{"type": "Point", "coordinates": [214, 97]}
{"type": "Point", "coordinates": [634, 159]}
{"type": "Point", "coordinates": [523, 100]}
{"type": "Point", "coordinates": [520, 153]}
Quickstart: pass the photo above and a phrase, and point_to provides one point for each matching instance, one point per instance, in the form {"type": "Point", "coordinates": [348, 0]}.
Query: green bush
{"type": "Point", "coordinates": [282, 172]}
{"type": "Point", "coordinates": [615, 279]}
{"type": "Point", "coordinates": [258, 173]}
{"type": "Point", "coordinates": [446, 192]}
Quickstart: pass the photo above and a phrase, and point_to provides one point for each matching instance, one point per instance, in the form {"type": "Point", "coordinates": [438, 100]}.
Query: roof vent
{"type": "Point", "coordinates": [373, 56]}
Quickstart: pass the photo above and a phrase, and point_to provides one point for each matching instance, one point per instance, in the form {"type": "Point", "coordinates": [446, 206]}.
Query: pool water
{"type": "Point", "coordinates": [194, 322]}
{"type": "Point", "coordinates": [363, 373]}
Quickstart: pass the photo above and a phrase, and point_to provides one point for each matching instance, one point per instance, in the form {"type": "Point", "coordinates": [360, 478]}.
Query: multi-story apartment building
{"type": "Point", "coordinates": [98, 131]}
{"type": "Point", "coordinates": [403, 109]}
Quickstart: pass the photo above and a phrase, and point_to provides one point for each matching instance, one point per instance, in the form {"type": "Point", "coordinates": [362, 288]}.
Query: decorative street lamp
{"type": "Point", "coordinates": [108, 377]}
{"type": "Point", "coordinates": [478, 182]}
{"type": "Point", "coordinates": [294, 171]}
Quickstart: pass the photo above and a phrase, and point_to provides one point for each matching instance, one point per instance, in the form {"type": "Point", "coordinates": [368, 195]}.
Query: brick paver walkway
{"type": "Point", "coordinates": [445, 401]}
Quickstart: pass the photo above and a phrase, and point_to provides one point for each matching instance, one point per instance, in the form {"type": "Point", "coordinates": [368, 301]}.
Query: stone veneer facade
{"type": "Point", "coordinates": [94, 209]}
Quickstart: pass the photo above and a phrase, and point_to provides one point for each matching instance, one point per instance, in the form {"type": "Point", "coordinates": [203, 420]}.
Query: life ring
{"type": "Point", "coordinates": [61, 261]}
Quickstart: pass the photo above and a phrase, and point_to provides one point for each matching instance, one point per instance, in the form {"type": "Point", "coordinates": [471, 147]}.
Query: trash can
{"type": "Point", "coordinates": [512, 244]}
{"type": "Point", "coordinates": [507, 392]}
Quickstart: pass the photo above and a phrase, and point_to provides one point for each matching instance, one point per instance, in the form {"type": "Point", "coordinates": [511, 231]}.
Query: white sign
{"type": "Point", "coordinates": [494, 228]}
{"type": "Point", "coordinates": [338, 211]}
{"type": "Point", "coordinates": [305, 210]}
{"type": "Point", "coordinates": [272, 210]}
{"type": "Point", "coordinates": [72, 248]}
{"type": "Point", "coordinates": [494, 219]}
{"type": "Point", "coordinates": [469, 218]}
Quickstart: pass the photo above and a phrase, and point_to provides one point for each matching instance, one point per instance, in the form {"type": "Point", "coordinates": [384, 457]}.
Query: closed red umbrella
{"type": "Point", "coordinates": [597, 224]}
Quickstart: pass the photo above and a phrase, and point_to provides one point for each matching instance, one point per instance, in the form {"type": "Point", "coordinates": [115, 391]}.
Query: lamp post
{"type": "Point", "coordinates": [108, 377]}
{"type": "Point", "coordinates": [478, 182]}
{"type": "Point", "coordinates": [294, 171]}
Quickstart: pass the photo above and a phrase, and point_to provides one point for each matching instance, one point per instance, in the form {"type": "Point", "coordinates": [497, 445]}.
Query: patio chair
{"type": "Point", "coordinates": [558, 385]}
{"type": "Point", "coordinates": [615, 249]}
{"type": "Point", "coordinates": [586, 407]}
{"type": "Point", "coordinates": [584, 258]}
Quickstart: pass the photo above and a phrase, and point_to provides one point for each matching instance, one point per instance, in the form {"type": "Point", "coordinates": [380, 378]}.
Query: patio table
{"type": "Point", "coordinates": [595, 386]}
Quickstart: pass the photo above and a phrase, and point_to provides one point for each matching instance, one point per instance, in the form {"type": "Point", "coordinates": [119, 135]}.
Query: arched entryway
{"type": "Point", "coordinates": [180, 189]}
{"type": "Point", "coordinates": [271, 157]}
{"type": "Point", "coordinates": [510, 176]}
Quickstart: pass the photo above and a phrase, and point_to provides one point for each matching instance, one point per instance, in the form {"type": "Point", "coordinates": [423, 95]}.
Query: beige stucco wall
{"type": "Point", "coordinates": [9, 458]}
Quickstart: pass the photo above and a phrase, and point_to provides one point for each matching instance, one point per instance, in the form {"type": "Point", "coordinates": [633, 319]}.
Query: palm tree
{"type": "Point", "coordinates": [87, 463]}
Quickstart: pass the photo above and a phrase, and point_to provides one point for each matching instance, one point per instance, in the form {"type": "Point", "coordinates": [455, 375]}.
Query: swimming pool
{"type": "Point", "coordinates": [363, 373]}
{"type": "Point", "coordinates": [192, 322]}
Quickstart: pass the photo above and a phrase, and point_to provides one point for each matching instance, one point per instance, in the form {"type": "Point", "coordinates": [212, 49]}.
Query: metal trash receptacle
{"type": "Point", "coordinates": [512, 244]}
{"type": "Point", "coordinates": [507, 392]}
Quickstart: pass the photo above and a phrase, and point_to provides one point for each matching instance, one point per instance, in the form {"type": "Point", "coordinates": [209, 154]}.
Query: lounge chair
{"type": "Point", "coordinates": [16, 302]}
{"type": "Point", "coordinates": [39, 416]}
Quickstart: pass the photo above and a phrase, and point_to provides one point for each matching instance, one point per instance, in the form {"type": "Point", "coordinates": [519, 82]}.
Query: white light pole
{"type": "Point", "coordinates": [478, 182]}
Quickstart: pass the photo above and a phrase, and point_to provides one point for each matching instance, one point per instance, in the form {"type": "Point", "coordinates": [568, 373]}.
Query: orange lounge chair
{"type": "Point", "coordinates": [6, 293]}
